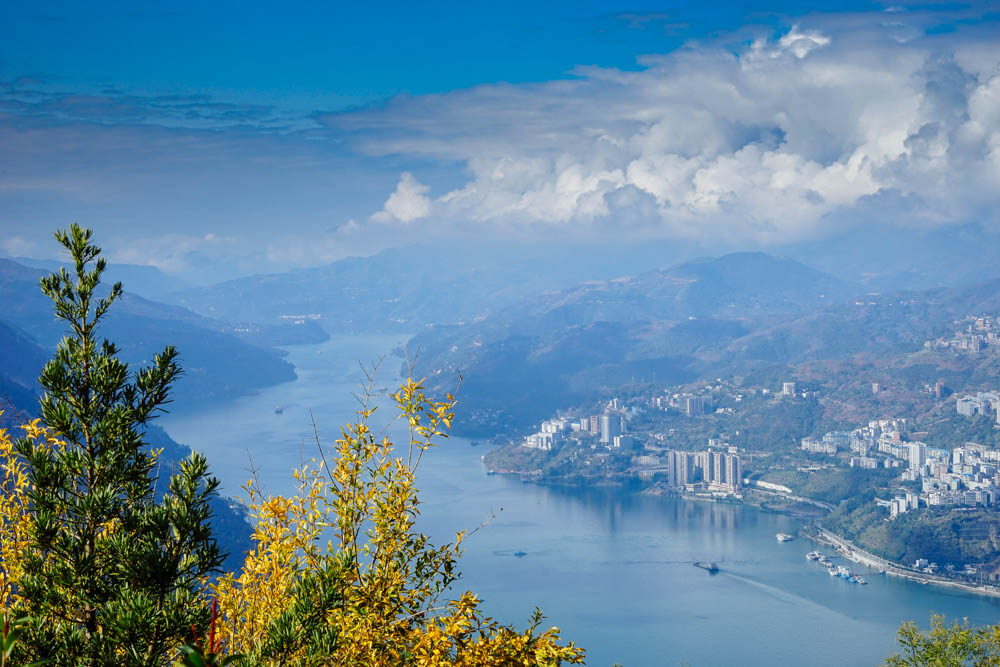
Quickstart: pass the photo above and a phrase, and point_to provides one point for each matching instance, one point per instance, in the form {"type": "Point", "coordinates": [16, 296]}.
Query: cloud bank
{"type": "Point", "coordinates": [761, 137]}
{"type": "Point", "coordinates": [829, 123]}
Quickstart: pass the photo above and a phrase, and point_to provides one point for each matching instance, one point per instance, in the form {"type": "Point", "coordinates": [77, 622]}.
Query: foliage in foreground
{"type": "Point", "coordinates": [958, 645]}
{"type": "Point", "coordinates": [374, 593]}
{"type": "Point", "coordinates": [105, 567]}
{"type": "Point", "coordinates": [98, 568]}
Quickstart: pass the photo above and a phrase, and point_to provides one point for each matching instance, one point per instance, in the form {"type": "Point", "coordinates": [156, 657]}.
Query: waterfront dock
{"type": "Point", "coordinates": [854, 554]}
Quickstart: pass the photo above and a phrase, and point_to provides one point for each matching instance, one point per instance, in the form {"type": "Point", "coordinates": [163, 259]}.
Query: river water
{"type": "Point", "coordinates": [613, 569]}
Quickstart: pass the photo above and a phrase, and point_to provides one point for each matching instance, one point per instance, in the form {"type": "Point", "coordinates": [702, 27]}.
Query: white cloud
{"type": "Point", "coordinates": [16, 246]}
{"type": "Point", "coordinates": [173, 253]}
{"type": "Point", "coordinates": [407, 203]}
{"type": "Point", "coordinates": [801, 43]}
{"type": "Point", "coordinates": [786, 138]}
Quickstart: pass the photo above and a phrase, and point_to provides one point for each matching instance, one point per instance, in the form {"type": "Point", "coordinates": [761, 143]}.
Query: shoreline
{"type": "Point", "coordinates": [845, 548]}
{"type": "Point", "coordinates": [855, 554]}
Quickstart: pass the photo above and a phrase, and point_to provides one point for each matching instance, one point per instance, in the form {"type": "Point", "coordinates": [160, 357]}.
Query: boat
{"type": "Point", "coordinates": [520, 554]}
{"type": "Point", "coordinates": [860, 580]}
{"type": "Point", "coordinates": [843, 572]}
{"type": "Point", "coordinates": [784, 537]}
{"type": "Point", "coordinates": [710, 567]}
{"type": "Point", "coordinates": [278, 410]}
{"type": "Point", "coordinates": [814, 555]}
{"type": "Point", "coordinates": [832, 572]}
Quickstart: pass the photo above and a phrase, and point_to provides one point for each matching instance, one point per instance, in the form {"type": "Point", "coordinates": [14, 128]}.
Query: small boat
{"type": "Point", "coordinates": [278, 410]}
{"type": "Point", "coordinates": [784, 537]}
{"type": "Point", "coordinates": [710, 567]}
{"type": "Point", "coordinates": [814, 555]}
{"type": "Point", "coordinates": [860, 580]}
{"type": "Point", "coordinates": [832, 572]}
{"type": "Point", "coordinates": [520, 554]}
{"type": "Point", "coordinates": [843, 572]}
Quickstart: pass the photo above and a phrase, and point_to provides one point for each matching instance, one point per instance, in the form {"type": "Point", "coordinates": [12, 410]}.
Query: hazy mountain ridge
{"type": "Point", "coordinates": [405, 289]}
{"type": "Point", "coordinates": [138, 278]}
{"type": "Point", "coordinates": [740, 314]}
{"type": "Point", "coordinates": [891, 259]}
{"type": "Point", "coordinates": [875, 326]}
{"type": "Point", "coordinates": [670, 324]}
{"type": "Point", "coordinates": [216, 364]}
{"type": "Point", "coordinates": [21, 360]}
{"type": "Point", "coordinates": [139, 333]}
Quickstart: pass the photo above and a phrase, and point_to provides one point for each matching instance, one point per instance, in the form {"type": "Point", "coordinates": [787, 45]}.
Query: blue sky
{"type": "Point", "coordinates": [333, 55]}
{"type": "Point", "coordinates": [264, 137]}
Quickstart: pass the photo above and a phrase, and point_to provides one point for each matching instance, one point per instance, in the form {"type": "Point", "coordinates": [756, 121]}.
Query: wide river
{"type": "Point", "coordinates": [612, 568]}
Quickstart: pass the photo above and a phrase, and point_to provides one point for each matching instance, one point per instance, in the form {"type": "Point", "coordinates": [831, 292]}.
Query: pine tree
{"type": "Point", "coordinates": [112, 573]}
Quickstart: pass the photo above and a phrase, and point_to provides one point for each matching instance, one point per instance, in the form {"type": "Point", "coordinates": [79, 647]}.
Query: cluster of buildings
{"type": "Point", "coordinates": [711, 471]}
{"type": "Point", "coordinates": [966, 476]}
{"type": "Point", "coordinates": [691, 404]}
{"type": "Point", "coordinates": [717, 470]}
{"type": "Point", "coordinates": [980, 403]}
{"type": "Point", "coordinates": [979, 332]}
{"type": "Point", "coordinates": [608, 427]}
{"type": "Point", "coordinates": [301, 319]}
{"type": "Point", "coordinates": [880, 435]}
{"type": "Point", "coordinates": [712, 397]}
{"type": "Point", "coordinates": [938, 389]}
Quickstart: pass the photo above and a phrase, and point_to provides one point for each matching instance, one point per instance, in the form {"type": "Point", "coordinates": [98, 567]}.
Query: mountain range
{"type": "Point", "coordinates": [217, 363]}
{"type": "Point", "coordinates": [739, 314]}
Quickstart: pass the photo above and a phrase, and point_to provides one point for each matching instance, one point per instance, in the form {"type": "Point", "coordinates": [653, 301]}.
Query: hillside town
{"type": "Point", "coordinates": [977, 333]}
{"type": "Point", "coordinates": [965, 476]}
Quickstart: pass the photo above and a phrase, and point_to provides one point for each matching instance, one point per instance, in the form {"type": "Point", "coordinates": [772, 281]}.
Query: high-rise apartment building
{"type": "Point", "coordinates": [611, 425]}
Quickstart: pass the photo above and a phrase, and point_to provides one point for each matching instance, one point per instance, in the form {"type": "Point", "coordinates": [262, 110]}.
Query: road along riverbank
{"type": "Point", "coordinates": [853, 553]}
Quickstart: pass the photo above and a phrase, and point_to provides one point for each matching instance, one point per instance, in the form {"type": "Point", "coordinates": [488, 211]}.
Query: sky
{"type": "Point", "coordinates": [249, 137]}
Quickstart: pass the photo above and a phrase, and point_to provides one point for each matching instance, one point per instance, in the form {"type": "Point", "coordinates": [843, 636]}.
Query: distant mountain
{"type": "Point", "coordinates": [216, 363]}
{"type": "Point", "coordinates": [148, 281]}
{"type": "Point", "coordinates": [21, 359]}
{"type": "Point", "coordinates": [872, 326]}
{"type": "Point", "coordinates": [405, 289]}
{"type": "Point", "coordinates": [529, 360]}
{"type": "Point", "coordinates": [889, 259]}
{"type": "Point", "coordinates": [230, 524]}
{"type": "Point", "coordinates": [666, 324]}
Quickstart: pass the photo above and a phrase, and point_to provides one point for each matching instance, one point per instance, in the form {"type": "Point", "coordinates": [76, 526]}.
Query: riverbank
{"type": "Point", "coordinates": [804, 509]}
{"type": "Point", "coordinates": [855, 554]}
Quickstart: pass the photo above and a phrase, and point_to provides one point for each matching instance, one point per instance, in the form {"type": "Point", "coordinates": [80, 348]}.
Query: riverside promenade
{"type": "Point", "coordinates": [852, 553]}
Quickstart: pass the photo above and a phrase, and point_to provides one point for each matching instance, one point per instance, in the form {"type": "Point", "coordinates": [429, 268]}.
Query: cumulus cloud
{"type": "Point", "coordinates": [791, 136]}
{"type": "Point", "coordinates": [407, 203]}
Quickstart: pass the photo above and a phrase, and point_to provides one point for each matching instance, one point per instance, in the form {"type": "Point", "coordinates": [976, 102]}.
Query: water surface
{"type": "Point", "coordinates": [612, 568]}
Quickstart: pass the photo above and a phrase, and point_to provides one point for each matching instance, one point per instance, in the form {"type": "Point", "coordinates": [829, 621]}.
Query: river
{"type": "Point", "coordinates": [613, 569]}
